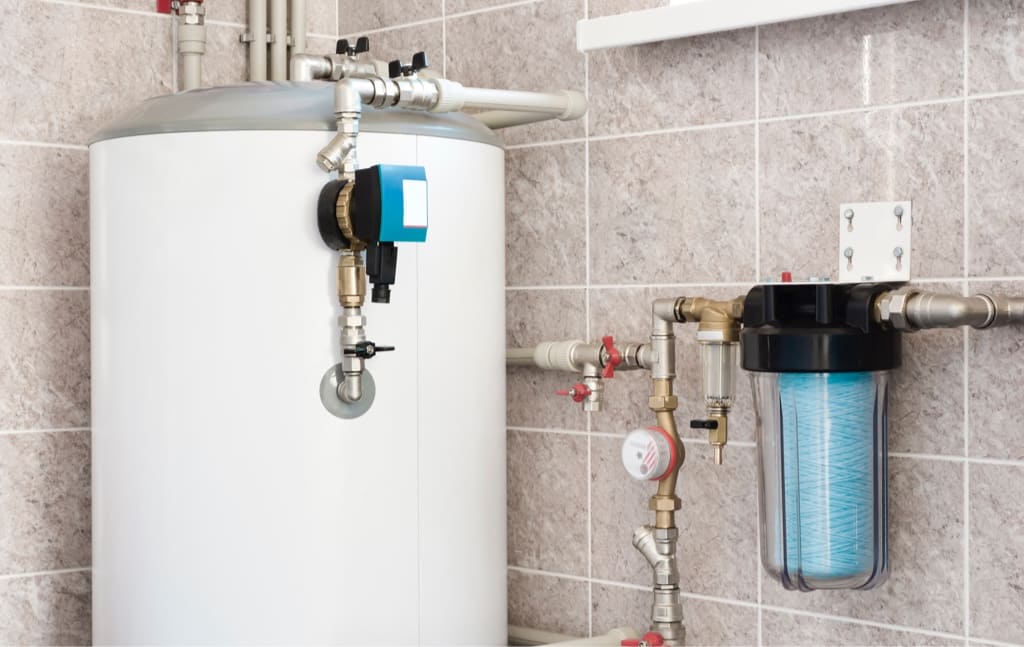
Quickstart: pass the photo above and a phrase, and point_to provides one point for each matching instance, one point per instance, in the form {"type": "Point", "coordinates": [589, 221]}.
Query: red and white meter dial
{"type": "Point", "coordinates": [649, 454]}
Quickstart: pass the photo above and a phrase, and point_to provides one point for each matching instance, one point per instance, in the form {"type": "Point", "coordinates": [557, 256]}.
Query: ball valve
{"type": "Point", "coordinates": [649, 454]}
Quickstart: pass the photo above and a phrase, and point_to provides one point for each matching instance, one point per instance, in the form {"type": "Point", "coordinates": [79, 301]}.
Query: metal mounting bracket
{"type": "Point", "coordinates": [874, 241]}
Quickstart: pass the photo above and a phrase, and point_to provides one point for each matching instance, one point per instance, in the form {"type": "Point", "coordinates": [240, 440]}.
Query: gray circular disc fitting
{"type": "Point", "coordinates": [338, 407]}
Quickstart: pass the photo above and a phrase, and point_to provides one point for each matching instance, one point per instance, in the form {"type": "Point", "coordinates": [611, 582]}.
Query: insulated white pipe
{"type": "Point", "coordinates": [564, 105]}
{"type": "Point", "coordinates": [258, 44]}
{"type": "Point", "coordinates": [497, 119]}
{"type": "Point", "coordinates": [279, 40]}
{"type": "Point", "coordinates": [297, 20]}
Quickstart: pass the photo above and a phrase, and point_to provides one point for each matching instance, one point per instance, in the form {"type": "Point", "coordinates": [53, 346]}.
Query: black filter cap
{"type": "Point", "coordinates": [816, 328]}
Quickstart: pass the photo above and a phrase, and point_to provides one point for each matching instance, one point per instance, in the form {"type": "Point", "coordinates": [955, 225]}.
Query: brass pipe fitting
{"type": "Point", "coordinates": [664, 503]}
{"type": "Point", "coordinates": [719, 436]}
{"type": "Point", "coordinates": [718, 320]}
{"type": "Point", "coordinates": [351, 280]}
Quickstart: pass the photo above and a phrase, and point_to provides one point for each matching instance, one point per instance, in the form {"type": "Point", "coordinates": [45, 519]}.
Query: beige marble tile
{"type": "Point", "coordinates": [673, 208]}
{"type": "Point", "coordinates": [996, 363]}
{"type": "Point", "coordinates": [675, 83]}
{"type": "Point", "coordinates": [545, 217]}
{"type": "Point", "coordinates": [600, 8]}
{"type": "Point", "coordinates": [996, 187]}
{"type": "Point", "coordinates": [403, 42]}
{"type": "Point", "coordinates": [997, 552]}
{"type": "Point", "coordinates": [46, 610]}
{"type": "Point", "coordinates": [534, 316]}
{"type": "Point", "coordinates": [44, 501]}
{"type": "Point", "coordinates": [707, 623]}
{"type": "Point", "coordinates": [996, 45]}
{"type": "Point", "coordinates": [925, 585]}
{"type": "Point", "coordinates": [926, 395]}
{"type": "Point", "coordinates": [135, 5]}
{"type": "Point", "coordinates": [360, 15]}
{"type": "Point", "coordinates": [905, 52]}
{"type": "Point", "coordinates": [717, 552]}
{"type": "Point", "coordinates": [453, 7]}
{"type": "Point", "coordinates": [228, 11]}
{"type": "Point", "coordinates": [487, 49]}
{"type": "Point", "coordinates": [45, 355]}
{"type": "Point", "coordinates": [322, 17]}
{"type": "Point", "coordinates": [548, 603]}
{"type": "Point", "coordinates": [44, 220]}
{"type": "Point", "coordinates": [791, 629]}
{"type": "Point", "coordinates": [625, 313]}
{"type": "Point", "coordinates": [226, 61]}
{"type": "Point", "coordinates": [811, 166]}
{"type": "Point", "coordinates": [547, 501]}
{"type": "Point", "coordinates": [618, 507]}
{"type": "Point", "coordinates": [67, 76]}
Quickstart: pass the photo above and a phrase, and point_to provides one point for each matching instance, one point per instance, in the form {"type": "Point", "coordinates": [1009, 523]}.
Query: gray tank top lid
{"type": "Point", "coordinates": [279, 106]}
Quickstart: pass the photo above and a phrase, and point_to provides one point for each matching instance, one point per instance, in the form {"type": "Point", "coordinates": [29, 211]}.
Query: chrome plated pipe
{"type": "Point", "coordinates": [908, 309]}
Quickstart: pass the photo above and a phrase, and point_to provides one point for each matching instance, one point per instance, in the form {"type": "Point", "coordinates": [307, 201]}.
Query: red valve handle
{"type": "Point", "coordinates": [650, 639]}
{"type": "Point", "coordinates": [578, 392]}
{"type": "Point", "coordinates": [614, 356]}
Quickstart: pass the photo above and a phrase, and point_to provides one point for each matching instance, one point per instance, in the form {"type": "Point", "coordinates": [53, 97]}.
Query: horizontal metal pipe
{"type": "Point", "coordinates": [929, 310]}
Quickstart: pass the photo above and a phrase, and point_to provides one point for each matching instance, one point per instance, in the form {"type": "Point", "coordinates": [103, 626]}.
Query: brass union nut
{"type": "Point", "coordinates": [663, 402]}
{"type": "Point", "coordinates": [664, 503]}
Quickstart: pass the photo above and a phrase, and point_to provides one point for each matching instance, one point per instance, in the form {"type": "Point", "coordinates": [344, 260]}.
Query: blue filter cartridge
{"type": "Point", "coordinates": [828, 467]}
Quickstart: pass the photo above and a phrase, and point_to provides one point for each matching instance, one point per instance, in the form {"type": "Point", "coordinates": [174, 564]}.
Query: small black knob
{"type": "Point", "coordinates": [367, 349]}
{"type": "Point", "coordinates": [343, 47]}
{"type": "Point", "coordinates": [703, 424]}
{"type": "Point", "coordinates": [395, 69]}
{"type": "Point", "coordinates": [419, 61]}
{"type": "Point", "coordinates": [362, 45]}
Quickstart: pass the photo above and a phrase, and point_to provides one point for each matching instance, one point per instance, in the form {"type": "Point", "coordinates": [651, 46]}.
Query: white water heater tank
{"type": "Point", "coordinates": [229, 506]}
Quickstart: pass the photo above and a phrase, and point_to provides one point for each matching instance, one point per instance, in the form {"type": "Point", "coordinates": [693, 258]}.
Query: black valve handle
{"type": "Point", "coordinates": [703, 424]}
{"type": "Point", "coordinates": [367, 349]}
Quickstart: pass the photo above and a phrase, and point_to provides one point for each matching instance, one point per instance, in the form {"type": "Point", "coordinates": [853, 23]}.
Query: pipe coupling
{"type": "Point", "coordinates": [658, 546]}
{"type": "Point", "coordinates": [668, 606]}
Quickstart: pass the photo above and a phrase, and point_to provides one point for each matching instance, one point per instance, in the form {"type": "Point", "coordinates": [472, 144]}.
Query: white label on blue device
{"type": "Point", "coordinates": [414, 203]}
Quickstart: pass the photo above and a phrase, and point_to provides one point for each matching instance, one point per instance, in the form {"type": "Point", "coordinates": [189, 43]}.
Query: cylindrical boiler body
{"type": "Point", "coordinates": [229, 506]}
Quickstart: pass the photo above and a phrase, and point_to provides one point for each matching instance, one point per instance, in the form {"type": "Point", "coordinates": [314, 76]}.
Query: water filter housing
{"type": "Point", "coordinates": [819, 368]}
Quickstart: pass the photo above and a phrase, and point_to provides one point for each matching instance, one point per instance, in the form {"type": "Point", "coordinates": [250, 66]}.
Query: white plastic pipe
{"type": "Point", "coordinates": [192, 46]}
{"type": "Point", "coordinates": [297, 20]}
{"type": "Point", "coordinates": [279, 40]}
{"type": "Point", "coordinates": [258, 44]}
{"type": "Point", "coordinates": [497, 119]}
{"type": "Point", "coordinates": [565, 105]}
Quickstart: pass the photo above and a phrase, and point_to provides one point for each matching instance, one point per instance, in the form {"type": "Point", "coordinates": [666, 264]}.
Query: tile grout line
{"type": "Point", "coordinates": [108, 8]}
{"type": "Point", "coordinates": [735, 284]}
{"type": "Point", "coordinates": [752, 605]}
{"type": "Point", "coordinates": [444, 38]}
{"type": "Point", "coordinates": [57, 571]}
{"type": "Point", "coordinates": [926, 103]}
{"type": "Point", "coordinates": [44, 288]}
{"type": "Point", "coordinates": [757, 161]}
{"type": "Point", "coordinates": [60, 430]}
{"type": "Point", "coordinates": [966, 540]}
{"type": "Point", "coordinates": [757, 276]}
{"type": "Point", "coordinates": [35, 144]}
{"type": "Point", "coordinates": [587, 314]}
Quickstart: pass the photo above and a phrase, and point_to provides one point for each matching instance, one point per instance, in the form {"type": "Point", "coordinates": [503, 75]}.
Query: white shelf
{"type": "Point", "coordinates": [694, 17]}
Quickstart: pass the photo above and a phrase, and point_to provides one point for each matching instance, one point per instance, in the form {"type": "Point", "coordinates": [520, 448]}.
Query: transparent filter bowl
{"type": "Point", "coordinates": [823, 474]}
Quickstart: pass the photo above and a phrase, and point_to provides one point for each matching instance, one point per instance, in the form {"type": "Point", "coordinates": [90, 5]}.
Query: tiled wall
{"type": "Point", "coordinates": [706, 165]}
{"type": "Point", "coordinates": [67, 67]}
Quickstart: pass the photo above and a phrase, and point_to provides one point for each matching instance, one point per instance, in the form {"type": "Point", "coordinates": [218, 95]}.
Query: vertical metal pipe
{"type": "Point", "coordinates": [279, 38]}
{"type": "Point", "coordinates": [258, 44]}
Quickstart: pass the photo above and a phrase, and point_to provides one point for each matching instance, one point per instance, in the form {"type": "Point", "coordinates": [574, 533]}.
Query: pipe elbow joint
{"type": "Point", "coordinates": [310, 67]}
